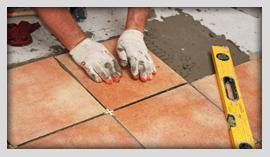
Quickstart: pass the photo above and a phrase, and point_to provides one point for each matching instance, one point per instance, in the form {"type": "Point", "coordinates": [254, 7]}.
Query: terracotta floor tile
{"type": "Point", "coordinates": [42, 97]}
{"type": "Point", "coordinates": [101, 132]}
{"type": "Point", "coordinates": [128, 90]}
{"type": "Point", "coordinates": [249, 78]}
{"type": "Point", "coordinates": [180, 118]}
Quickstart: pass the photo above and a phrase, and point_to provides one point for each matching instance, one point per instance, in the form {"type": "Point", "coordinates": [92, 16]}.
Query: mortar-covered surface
{"type": "Point", "coordinates": [185, 45]}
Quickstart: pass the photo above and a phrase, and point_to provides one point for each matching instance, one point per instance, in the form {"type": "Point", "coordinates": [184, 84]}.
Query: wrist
{"type": "Point", "coordinates": [133, 33]}
{"type": "Point", "coordinates": [134, 27]}
{"type": "Point", "coordinates": [76, 42]}
{"type": "Point", "coordinates": [137, 18]}
{"type": "Point", "coordinates": [79, 47]}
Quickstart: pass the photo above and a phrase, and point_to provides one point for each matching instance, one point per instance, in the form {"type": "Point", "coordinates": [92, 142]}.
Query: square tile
{"type": "Point", "coordinates": [180, 118]}
{"type": "Point", "coordinates": [42, 98]}
{"type": "Point", "coordinates": [101, 132]}
{"type": "Point", "coordinates": [249, 79]}
{"type": "Point", "coordinates": [127, 90]}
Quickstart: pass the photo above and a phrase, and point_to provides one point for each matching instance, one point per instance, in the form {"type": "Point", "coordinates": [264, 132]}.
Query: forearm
{"type": "Point", "coordinates": [62, 25]}
{"type": "Point", "coordinates": [137, 18]}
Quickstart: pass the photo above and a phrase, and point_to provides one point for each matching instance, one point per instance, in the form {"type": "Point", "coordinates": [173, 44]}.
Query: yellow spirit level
{"type": "Point", "coordinates": [241, 135]}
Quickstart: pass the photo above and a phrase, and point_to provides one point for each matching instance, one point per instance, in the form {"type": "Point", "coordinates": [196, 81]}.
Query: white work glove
{"type": "Point", "coordinates": [132, 50]}
{"type": "Point", "coordinates": [97, 61]}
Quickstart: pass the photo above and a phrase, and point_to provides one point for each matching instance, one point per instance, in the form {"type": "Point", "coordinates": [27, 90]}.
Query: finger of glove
{"type": "Point", "coordinates": [93, 75]}
{"type": "Point", "coordinates": [149, 71]}
{"type": "Point", "coordinates": [153, 69]}
{"type": "Point", "coordinates": [111, 68]}
{"type": "Point", "coordinates": [122, 55]}
{"type": "Point", "coordinates": [103, 74]}
{"type": "Point", "coordinates": [134, 67]}
{"type": "Point", "coordinates": [142, 71]}
{"type": "Point", "coordinates": [150, 60]}
{"type": "Point", "coordinates": [117, 67]}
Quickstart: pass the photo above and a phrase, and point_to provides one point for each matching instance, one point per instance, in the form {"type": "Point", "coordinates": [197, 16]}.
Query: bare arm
{"type": "Point", "coordinates": [136, 18]}
{"type": "Point", "coordinates": [62, 25]}
{"type": "Point", "coordinates": [92, 56]}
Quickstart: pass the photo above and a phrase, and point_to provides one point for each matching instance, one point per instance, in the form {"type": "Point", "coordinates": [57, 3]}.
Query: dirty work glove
{"type": "Point", "coordinates": [132, 50]}
{"type": "Point", "coordinates": [97, 61]}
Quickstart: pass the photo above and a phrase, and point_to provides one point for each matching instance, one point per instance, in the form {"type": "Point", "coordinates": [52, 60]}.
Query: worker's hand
{"type": "Point", "coordinates": [132, 50]}
{"type": "Point", "coordinates": [97, 61]}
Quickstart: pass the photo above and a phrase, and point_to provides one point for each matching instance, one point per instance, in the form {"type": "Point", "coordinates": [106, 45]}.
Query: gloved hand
{"type": "Point", "coordinates": [132, 50]}
{"type": "Point", "coordinates": [97, 61]}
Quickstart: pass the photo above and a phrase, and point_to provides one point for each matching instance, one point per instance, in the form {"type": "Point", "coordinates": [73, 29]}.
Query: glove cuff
{"type": "Point", "coordinates": [134, 31]}
{"type": "Point", "coordinates": [80, 46]}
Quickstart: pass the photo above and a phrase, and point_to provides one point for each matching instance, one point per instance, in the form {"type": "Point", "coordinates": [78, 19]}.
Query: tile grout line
{"type": "Point", "coordinates": [122, 106]}
{"type": "Point", "coordinates": [221, 109]}
{"type": "Point", "coordinates": [107, 110]}
{"type": "Point", "coordinates": [73, 76]}
{"type": "Point", "coordinates": [66, 127]}
{"type": "Point", "coordinates": [124, 127]}
{"type": "Point", "coordinates": [9, 146]}
{"type": "Point", "coordinates": [137, 101]}
{"type": "Point", "coordinates": [150, 96]}
{"type": "Point", "coordinates": [17, 65]}
{"type": "Point", "coordinates": [59, 130]}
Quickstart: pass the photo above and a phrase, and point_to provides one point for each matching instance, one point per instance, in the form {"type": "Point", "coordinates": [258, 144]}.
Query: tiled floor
{"type": "Point", "coordinates": [180, 118]}
{"type": "Point", "coordinates": [53, 104]}
{"type": "Point", "coordinates": [44, 98]}
{"type": "Point", "coordinates": [127, 90]}
{"type": "Point", "coordinates": [101, 132]}
{"type": "Point", "coordinates": [249, 78]}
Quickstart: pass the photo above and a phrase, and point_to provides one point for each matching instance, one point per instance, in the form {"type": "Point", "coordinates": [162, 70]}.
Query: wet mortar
{"type": "Point", "coordinates": [185, 45]}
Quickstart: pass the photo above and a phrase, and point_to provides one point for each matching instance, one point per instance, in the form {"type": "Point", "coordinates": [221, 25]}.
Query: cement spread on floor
{"type": "Point", "coordinates": [185, 45]}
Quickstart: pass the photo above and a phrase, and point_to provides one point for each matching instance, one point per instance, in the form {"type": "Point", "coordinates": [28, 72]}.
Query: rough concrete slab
{"type": "Point", "coordinates": [185, 45]}
{"type": "Point", "coordinates": [101, 24]}
{"type": "Point", "coordinates": [44, 44]}
{"type": "Point", "coordinates": [238, 26]}
{"type": "Point", "coordinates": [161, 13]}
{"type": "Point", "coordinates": [255, 12]}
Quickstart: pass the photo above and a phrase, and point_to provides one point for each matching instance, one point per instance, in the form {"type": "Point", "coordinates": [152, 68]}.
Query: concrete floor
{"type": "Point", "coordinates": [181, 37]}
